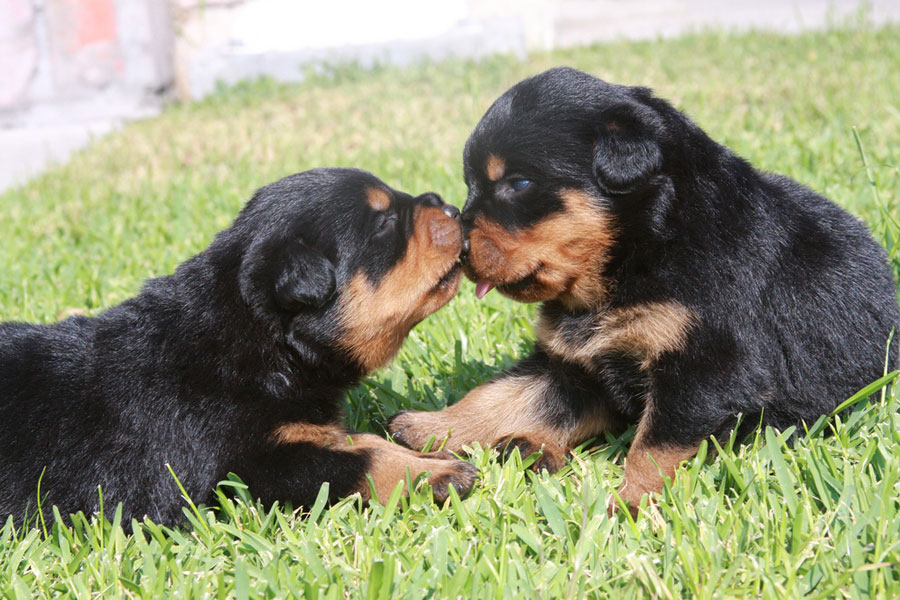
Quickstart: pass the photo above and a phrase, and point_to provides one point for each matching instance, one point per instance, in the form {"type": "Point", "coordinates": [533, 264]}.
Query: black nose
{"type": "Point", "coordinates": [464, 254]}
{"type": "Point", "coordinates": [451, 211]}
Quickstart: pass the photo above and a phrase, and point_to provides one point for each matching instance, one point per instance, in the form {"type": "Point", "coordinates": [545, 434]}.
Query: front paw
{"type": "Point", "coordinates": [631, 495]}
{"type": "Point", "coordinates": [552, 457]}
{"type": "Point", "coordinates": [414, 429]}
{"type": "Point", "coordinates": [454, 473]}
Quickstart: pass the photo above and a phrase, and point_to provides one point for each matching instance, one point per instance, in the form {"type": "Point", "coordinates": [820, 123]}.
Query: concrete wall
{"type": "Point", "coordinates": [231, 40]}
{"type": "Point", "coordinates": [116, 56]}
{"type": "Point", "coordinates": [98, 58]}
{"type": "Point", "coordinates": [71, 70]}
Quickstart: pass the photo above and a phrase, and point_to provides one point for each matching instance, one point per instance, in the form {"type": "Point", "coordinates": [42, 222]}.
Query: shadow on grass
{"type": "Point", "coordinates": [386, 393]}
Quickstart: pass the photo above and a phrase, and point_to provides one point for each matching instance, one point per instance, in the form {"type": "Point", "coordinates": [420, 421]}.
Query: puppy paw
{"type": "Point", "coordinates": [552, 457]}
{"type": "Point", "coordinates": [631, 495]}
{"type": "Point", "coordinates": [414, 429]}
{"type": "Point", "coordinates": [453, 473]}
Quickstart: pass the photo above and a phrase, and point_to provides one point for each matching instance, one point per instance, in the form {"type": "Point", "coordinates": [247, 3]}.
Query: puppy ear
{"type": "Point", "coordinates": [306, 278]}
{"type": "Point", "coordinates": [626, 152]}
{"type": "Point", "coordinates": [291, 273]}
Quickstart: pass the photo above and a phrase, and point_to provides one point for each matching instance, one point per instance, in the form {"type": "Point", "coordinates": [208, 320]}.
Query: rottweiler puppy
{"type": "Point", "coordinates": [680, 287]}
{"type": "Point", "coordinates": [236, 362]}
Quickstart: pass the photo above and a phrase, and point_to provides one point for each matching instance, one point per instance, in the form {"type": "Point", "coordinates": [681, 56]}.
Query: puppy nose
{"type": "Point", "coordinates": [451, 211]}
{"type": "Point", "coordinates": [464, 254]}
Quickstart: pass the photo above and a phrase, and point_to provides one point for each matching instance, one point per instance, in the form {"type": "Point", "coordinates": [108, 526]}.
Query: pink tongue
{"type": "Point", "coordinates": [482, 288]}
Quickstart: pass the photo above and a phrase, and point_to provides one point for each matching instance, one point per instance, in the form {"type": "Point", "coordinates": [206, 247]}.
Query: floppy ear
{"type": "Point", "coordinates": [291, 273]}
{"type": "Point", "coordinates": [626, 152]}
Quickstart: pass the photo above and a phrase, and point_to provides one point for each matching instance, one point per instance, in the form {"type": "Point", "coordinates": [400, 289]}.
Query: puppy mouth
{"type": "Point", "coordinates": [520, 285]}
{"type": "Point", "coordinates": [509, 288]}
{"type": "Point", "coordinates": [448, 279]}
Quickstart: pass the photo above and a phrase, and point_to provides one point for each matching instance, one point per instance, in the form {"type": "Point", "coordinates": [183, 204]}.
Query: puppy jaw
{"type": "Point", "coordinates": [376, 318]}
{"type": "Point", "coordinates": [561, 257]}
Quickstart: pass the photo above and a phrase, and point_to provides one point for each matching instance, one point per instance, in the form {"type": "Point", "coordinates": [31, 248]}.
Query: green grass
{"type": "Point", "coordinates": [819, 518]}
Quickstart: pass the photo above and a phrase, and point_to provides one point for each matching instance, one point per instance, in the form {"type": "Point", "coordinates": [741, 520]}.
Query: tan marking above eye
{"type": "Point", "coordinates": [378, 198]}
{"type": "Point", "coordinates": [495, 167]}
{"type": "Point", "coordinates": [644, 331]}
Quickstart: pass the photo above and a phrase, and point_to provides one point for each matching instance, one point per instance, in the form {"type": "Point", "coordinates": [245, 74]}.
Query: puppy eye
{"type": "Point", "coordinates": [519, 184]}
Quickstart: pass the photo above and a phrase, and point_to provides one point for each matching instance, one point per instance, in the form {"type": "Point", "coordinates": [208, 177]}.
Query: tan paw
{"type": "Point", "coordinates": [414, 429]}
{"type": "Point", "coordinates": [552, 458]}
{"type": "Point", "coordinates": [393, 464]}
{"type": "Point", "coordinates": [631, 495]}
{"type": "Point", "coordinates": [454, 473]}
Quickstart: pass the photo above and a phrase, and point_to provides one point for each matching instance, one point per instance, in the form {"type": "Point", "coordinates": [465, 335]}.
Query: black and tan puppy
{"type": "Point", "coordinates": [680, 286]}
{"type": "Point", "coordinates": [236, 362]}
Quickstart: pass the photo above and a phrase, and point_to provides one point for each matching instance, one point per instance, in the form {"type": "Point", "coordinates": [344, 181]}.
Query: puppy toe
{"type": "Point", "coordinates": [552, 458]}
{"type": "Point", "coordinates": [414, 429]}
{"type": "Point", "coordinates": [632, 501]}
{"type": "Point", "coordinates": [398, 427]}
{"type": "Point", "coordinates": [460, 474]}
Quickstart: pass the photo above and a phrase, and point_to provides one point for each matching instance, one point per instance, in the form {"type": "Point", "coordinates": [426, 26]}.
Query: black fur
{"type": "Point", "coordinates": [201, 367]}
{"type": "Point", "coordinates": [791, 299]}
{"type": "Point", "coordinates": [795, 299]}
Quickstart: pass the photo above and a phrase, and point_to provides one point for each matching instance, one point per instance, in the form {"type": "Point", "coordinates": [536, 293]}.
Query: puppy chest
{"type": "Point", "coordinates": [638, 333]}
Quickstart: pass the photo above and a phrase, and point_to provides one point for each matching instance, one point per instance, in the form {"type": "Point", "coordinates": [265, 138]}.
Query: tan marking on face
{"type": "Point", "coordinates": [512, 406]}
{"type": "Point", "coordinates": [646, 466]}
{"type": "Point", "coordinates": [495, 167]}
{"type": "Point", "coordinates": [378, 198]}
{"type": "Point", "coordinates": [644, 331]}
{"type": "Point", "coordinates": [565, 252]}
{"type": "Point", "coordinates": [377, 318]}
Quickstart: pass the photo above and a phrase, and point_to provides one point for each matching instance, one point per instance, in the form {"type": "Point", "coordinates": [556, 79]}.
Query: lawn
{"type": "Point", "coordinates": [818, 518]}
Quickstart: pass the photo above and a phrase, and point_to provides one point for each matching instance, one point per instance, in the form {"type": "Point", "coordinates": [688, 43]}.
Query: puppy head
{"type": "Point", "coordinates": [550, 168]}
{"type": "Point", "coordinates": [339, 259]}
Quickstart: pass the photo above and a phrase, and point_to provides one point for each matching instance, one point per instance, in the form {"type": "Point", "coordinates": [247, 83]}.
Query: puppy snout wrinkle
{"type": "Point", "coordinates": [445, 234]}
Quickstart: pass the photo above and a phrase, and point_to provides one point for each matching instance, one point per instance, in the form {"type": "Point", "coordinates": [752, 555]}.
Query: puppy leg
{"type": "Point", "coordinates": [303, 456]}
{"type": "Point", "coordinates": [538, 405]}
{"type": "Point", "coordinates": [390, 462]}
{"type": "Point", "coordinates": [647, 465]}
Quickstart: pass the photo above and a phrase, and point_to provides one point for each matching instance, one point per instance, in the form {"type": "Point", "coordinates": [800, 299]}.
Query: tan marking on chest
{"type": "Point", "coordinates": [644, 331]}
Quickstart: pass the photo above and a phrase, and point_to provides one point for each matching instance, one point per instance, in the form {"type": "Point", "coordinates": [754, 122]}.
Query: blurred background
{"type": "Point", "coordinates": [71, 70]}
